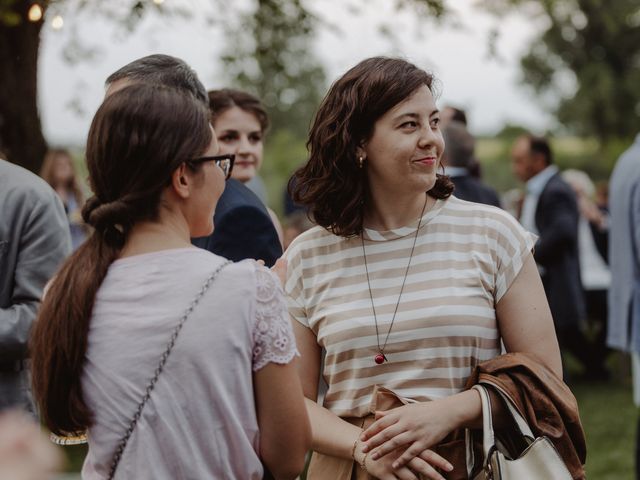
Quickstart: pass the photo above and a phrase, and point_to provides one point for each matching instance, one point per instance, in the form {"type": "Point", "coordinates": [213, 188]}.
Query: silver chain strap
{"type": "Point", "coordinates": [125, 439]}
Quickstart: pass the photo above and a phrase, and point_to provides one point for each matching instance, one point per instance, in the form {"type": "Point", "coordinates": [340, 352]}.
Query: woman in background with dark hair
{"type": "Point", "coordinates": [241, 123]}
{"type": "Point", "coordinates": [59, 172]}
{"type": "Point", "coordinates": [179, 365]}
{"type": "Point", "coordinates": [406, 287]}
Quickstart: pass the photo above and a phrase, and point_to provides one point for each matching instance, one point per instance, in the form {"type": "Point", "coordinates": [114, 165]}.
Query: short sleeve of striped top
{"type": "Point", "coordinates": [466, 257]}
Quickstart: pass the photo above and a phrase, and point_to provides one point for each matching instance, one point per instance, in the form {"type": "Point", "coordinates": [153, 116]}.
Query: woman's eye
{"type": "Point", "coordinates": [409, 125]}
{"type": "Point", "coordinates": [227, 138]}
{"type": "Point", "coordinates": [255, 138]}
{"type": "Point", "coordinates": [435, 122]}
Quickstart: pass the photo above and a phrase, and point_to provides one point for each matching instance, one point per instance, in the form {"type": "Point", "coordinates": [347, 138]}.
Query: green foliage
{"type": "Point", "coordinates": [269, 53]}
{"type": "Point", "coordinates": [285, 151]}
{"type": "Point", "coordinates": [587, 62]}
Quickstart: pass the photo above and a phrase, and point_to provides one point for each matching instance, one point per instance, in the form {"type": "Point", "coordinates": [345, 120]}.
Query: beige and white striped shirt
{"type": "Point", "coordinates": [466, 257]}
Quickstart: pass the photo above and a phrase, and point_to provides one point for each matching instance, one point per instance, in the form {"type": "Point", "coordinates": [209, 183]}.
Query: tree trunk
{"type": "Point", "coordinates": [21, 139]}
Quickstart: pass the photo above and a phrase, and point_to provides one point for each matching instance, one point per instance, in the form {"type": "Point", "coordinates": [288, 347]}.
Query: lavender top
{"type": "Point", "coordinates": [200, 421]}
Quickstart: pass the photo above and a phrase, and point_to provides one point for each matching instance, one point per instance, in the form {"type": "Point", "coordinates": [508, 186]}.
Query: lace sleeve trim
{"type": "Point", "coordinates": [273, 340]}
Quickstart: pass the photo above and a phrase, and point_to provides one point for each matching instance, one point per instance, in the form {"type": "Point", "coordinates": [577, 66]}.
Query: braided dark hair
{"type": "Point", "coordinates": [138, 137]}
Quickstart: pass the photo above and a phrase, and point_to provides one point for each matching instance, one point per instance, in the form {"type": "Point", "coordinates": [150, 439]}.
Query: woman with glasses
{"type": "Point", "coordinates": [241, 123]}
{"type": "Point", "coordinates": [176, 362]}
{"type": "Point", "coordinates": [405, 287]}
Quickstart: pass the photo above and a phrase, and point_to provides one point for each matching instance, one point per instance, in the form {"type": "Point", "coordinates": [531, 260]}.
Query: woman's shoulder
{"type": "Point", "coordinates": [480, 217]}
{"type": "Point", "coordinates": [465, 208]}
{"type": "Point", "coordinates": [312, 239]}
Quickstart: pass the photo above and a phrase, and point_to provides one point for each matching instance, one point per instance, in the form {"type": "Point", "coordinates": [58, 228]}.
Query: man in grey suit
{"type": "Point", "coordinates": [624, 261]}
{"type": "Point", "coordinates": [34, 240]}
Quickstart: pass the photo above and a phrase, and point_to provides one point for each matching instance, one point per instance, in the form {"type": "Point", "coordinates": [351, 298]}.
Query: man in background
{"type": "Point", "coordinates": [34, 241]}
{"type": "Point", "coordinates": [242, 225]}
{"type": "Point", "coordinates": [624, 260]}
{"type": "Point", "coordinates": [458, 156]}
{"type": "Point", "coordinates": [551, 212]}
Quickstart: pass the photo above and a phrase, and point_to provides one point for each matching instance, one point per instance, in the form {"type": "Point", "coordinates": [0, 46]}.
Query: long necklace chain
{"type": "Point", "coordinates": [380, 358]}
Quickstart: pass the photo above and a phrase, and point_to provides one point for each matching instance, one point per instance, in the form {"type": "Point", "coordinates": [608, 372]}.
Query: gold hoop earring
{"type": "Point", "coordinates": [360, 161]}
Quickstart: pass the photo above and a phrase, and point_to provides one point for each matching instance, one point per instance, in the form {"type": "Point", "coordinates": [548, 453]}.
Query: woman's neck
{"type": "Point", "coordinates": [387, 214]}
{"type": "Point", "coordinates": [166, 233]}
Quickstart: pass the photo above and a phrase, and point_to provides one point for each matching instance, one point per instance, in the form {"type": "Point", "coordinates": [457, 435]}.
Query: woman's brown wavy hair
{"type": "Point", "coordinates": [137, 139]}
{"type": "Point", "coordinates": [331, 184]}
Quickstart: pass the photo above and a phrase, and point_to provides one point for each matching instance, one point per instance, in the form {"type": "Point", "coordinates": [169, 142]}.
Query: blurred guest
{"type": "Point", "coordinates": [550, 211]}
{"type": "Point", "coordinates": [458, 155]}
{"type": "Point", "coordinates": [594, 272]}
{"type": "Point", "coordinates": [59, 172]}
{"type": "Point", "coordinates": [243, 227]}
{"type": "Point", "coordinates": [624, 259]}
{"type": "Point", "coordinates": [454, 114]}
{"type": "Point", "coordinates": [34, 241]}
{"type": "Point", "coordinates": [241, 123]}
{"type": "Point", "coordinates": [25, 452]}
{"type": "Point", "coordinates": [214, 390]}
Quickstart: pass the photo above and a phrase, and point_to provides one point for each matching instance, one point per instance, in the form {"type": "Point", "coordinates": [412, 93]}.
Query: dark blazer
{"type": "Point", "coordinates": [557, 252]}
{"type": "Point", "coordinates": [473, 190]}
{"type": "Point", "coordinates": [242, 227]}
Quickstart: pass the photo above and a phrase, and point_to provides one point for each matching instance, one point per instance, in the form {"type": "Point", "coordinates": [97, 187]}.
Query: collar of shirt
{"type": "Point", "coordinates": [536, 184]}
{"type": "Point", "coordinates": [456, 171]}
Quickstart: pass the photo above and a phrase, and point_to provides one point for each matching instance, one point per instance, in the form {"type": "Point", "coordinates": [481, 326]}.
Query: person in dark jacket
{"type": "Point", "coordinates": [458, 155]}
{"type": "Point", "coordinates": [243, 227]}
{"type": "Point", "coordinates": [550, 211]}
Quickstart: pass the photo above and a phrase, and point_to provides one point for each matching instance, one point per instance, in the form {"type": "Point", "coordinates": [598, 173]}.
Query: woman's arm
{"type": "Point", "coordinates": [525, 321]}
{"type": "Point", "coordinates": [285, 435]}
{"type": "Point", "coordinates": [336, 437]}
{"type": "Point", "coordinates": [525, 325]}
{"type": "Point", "coordinates": [331, 435]}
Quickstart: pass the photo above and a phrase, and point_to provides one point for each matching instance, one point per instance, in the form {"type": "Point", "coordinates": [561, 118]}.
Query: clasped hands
{"type": "Point", "coordinates": [397, 445]}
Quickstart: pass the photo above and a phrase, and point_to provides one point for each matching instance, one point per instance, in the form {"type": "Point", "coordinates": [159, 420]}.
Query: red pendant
{"type": "Point", "coordinates": [380, 358]}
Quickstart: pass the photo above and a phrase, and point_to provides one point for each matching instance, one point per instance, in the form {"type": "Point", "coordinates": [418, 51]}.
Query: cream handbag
{"type": "Point", "coordinates": [538, 460]}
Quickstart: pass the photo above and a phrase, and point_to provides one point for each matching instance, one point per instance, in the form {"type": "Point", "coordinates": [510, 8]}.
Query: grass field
{"type": "Point", "coordinates": [609, 419]}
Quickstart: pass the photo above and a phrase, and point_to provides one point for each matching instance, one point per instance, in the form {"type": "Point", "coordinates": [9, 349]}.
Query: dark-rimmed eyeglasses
{"type": "Point", "coordinates": [225, 162]}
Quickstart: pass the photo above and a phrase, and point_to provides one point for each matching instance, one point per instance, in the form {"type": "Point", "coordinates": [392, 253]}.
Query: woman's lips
{"type": "Point", "coordinates": [244, 164]}
{"type": "Point", "coordinates": [426, 160]}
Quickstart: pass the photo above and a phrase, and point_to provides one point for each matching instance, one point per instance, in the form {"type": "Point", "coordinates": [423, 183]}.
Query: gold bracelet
{"type": "Point", "coordinates": [353, 449]}
{"type": "Point", "coordinates": [364, 463]}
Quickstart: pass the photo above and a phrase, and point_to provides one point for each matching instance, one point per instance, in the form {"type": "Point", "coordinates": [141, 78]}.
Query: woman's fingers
{"type": "Point", "coordinates": [405, 474]}
{"type": "Point", "coordinates": [434, 459]}
{"type": "Point", "coordinates": [378, 426]}
{"type": "Point", "coordinates": [381, 414]}
{"type": "Point", "coordinates": [280, 269]}
{"type": "Point", "coordinates": [389, 446]}
{"type": "Point", "coordinates": [426, 471]}
{"type": "Point", "coordinates": [384, 436]}
{"type": "Point", "coordinates": [414, 450]}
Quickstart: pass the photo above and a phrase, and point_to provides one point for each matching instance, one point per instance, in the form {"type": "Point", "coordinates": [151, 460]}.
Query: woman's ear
{"type": "Point", "coordinates": [181, 181]}
{"type": "Point", "coordinates": [360, 150]}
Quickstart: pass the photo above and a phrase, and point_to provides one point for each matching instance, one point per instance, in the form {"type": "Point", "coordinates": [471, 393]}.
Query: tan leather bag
{"type": "Point", "coordinates": [538, 461]}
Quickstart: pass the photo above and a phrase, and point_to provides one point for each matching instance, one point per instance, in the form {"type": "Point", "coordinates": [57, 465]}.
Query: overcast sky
{"type": "Point", "coordinates": [486, 87]}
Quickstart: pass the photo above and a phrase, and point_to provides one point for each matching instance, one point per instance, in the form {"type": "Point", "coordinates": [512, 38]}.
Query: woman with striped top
{"type": "Point", "coordinates": [405, 287]}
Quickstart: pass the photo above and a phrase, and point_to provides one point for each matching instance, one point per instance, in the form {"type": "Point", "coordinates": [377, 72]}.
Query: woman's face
{"type": "Point", "coordinates": [240, 132]}
{"type": "Point", "coordinates": [209, 186]}
{"type": "Point", "coordinates": [62, 169]}
{"type": "Point", "coordinates": [404, 151]}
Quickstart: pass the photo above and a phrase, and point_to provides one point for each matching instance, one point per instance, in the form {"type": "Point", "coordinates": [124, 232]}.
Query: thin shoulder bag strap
{"type": "Point", "coordinates": [132, 425]}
